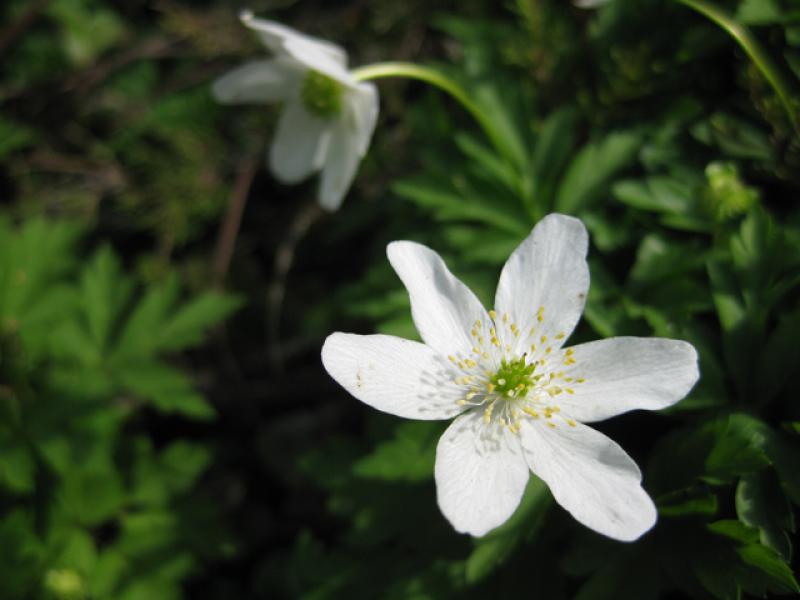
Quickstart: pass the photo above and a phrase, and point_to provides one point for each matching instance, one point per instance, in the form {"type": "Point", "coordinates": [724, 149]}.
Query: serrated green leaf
{"type": "Point", "coordinates": [190, 323]}
{"type": "Point", "coordinates": [554, 145]}
{"type": "Point", "coordinates": [766, 560]}
{"type": "Point", "coordinates": [168, 389]}
{"type": "Point", "coordinates": [104, 293]}
{"type": "Point", "coordinates": [693, 501]}
{"type": "Point", "coordinates": [449, 205]}
{"type": "Point", "coordinates": [587, 176]}
{"type": "Point", "coordinates": [760, 503]}
{"type": "Point", "coordinates": [408, 456]}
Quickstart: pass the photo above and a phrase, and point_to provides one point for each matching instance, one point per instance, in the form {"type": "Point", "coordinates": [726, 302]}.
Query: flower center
{"type": "Point", "coordinates": [514, 377]}
{"type": "Point", "coordinates": [509, 387]}
{"type": "Point", "coordinates": [321, 95]}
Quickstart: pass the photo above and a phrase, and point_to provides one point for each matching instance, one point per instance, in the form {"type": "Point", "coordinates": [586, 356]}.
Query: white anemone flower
{"type": "Point", "coordinates": [520, 399]}
{"type": "Point", "coordinates": [328, 117]}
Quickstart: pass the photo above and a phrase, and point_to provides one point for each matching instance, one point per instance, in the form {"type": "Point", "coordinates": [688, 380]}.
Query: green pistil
{"type": "Point", "coordinates": [322, 96]}
{"type": "Point", "coordinates": [514, 378]}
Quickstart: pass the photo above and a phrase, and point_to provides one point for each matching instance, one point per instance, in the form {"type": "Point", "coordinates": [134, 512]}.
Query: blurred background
{"type": "Point", "coordinates": [166, 428]}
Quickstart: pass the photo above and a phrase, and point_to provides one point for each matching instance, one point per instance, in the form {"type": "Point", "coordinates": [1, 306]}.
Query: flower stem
{"type": "Point", "coordinates": [753, 49]}
{"type": "Point", "coordinates": [444, 83]}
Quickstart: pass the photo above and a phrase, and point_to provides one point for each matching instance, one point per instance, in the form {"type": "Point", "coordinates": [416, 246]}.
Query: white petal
{"type": "Point", "coordinates": [548, 270]}
{"type": "Point", "coordinates": [627, 373]}
{"type": "Point", "coordinates": [300, 144]}
{"type": "Point", "coordinates": [590, 476]}
{"type": "Point", "coordinates": [394, 375]}
{"type": "Point", "coordinates": [310, 54]}
{"type": "Point", "coordinates": [349, 141]}
{"type": "Point", "coordinates": [275, 36]}
{"type": "Point", "coordinates": [264, 81]}
{"type": "Point", "coordinates": [443, 308]}
{"type": "Point", "coordinates": [480, 474]}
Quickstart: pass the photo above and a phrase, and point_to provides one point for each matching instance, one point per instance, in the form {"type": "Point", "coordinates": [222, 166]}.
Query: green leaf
{"type": "Point", "coordinates": [408, 456]}
{"type": "Point", "coordinates": [451, 205]}
{"type": "Point", "coordinates": [139, 337]}
{"type": "Point", "coordinates": [168, 389]}
{"type": "Point", "coordinates": [659, 194]}
{"type": "Point", "coordinates": [554, 145]}
{"type": "Point", "coordinates": [189, 324]}
{"type": "Point", "coordinates": [691, 501]}
{"type": "Point", "coordinates": [781, 355]}
{"type": "Point", "coordinates": [104, 293]}
{"type": "Point", "coordinates": [760, 503]}
{"type": "Point", "coordinates": [92, 495]}
{"type": "Point", "coordinates": [587, 176]}
{"type": "Point", "coordinates": [780, 577]}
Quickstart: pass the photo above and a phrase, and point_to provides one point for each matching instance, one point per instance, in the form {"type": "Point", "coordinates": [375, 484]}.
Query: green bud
{"type": "Point", "coordinates": [726, 194]}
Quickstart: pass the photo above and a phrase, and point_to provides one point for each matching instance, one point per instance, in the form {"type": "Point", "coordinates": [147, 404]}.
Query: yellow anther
{"type": "Point", "coordinates": [569, 361]}
{"type": "Point", "coordinates": [487, 413]}
{"type": "Point", "coordinates": [495, 341]}
{"type": "Point", "coordinates": [548, 350]}
{"type": "Point", "coordinates": [478, 323]}
{"type": "Point", "coordinates": [580, 380]}
{"type": "Point", "coordinates": [490, 387]}
{"type": "Point", "coordinates": [555, 409]}
{"type": "Point", "coordinates": [529, 411]}
{"type": "Point", "coordinates": [505, 317]}
{"type": "Point", "coordinates": [551, 425]}
{"type": "Point", "coordinates": [493, 314]}
{"type": "Point", "coordinates": [476, 350]}
{"type": "Point", "coordinates": [452, 359]}
{"type": "Point", "coordinates": [470, 363]}
{"type": "Point", "coordinates": [481, 340]}
{"type": "Point", "coordinates": [461, 402]}
{"type": "Point", "coordinates": [471, 395]}
{"type": "Point", "coordinates": [502, 422]}
{"type": "Point", "coordinates": [570, 351]}
{"type": "Point", "coordinates": [567, 379]}
{"type": "Point", "coordinates": [569, 390]}
{"type": "Point", "coordinates": [560, 336]}
{"type": "Point", "coordinates": [474, 333]}
{"type": "Point", "coordinates": [543, 339]}
{"type": "Point", "coordinates": [520, 386]}
{"type": "Point", "coordinates": [571, 423]}
{"type": "Point", "coordinates": [485, 355]}
{"type": "Point", "coordinates": [533, 347]}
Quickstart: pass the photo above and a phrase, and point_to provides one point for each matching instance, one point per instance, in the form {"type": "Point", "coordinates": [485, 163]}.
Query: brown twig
{"type": "Point", "coordinates": [16, 29]}
{"type": "Point", "coordinates": [229, 229]}
{"type": "Point", "coordinates": [284, 258]}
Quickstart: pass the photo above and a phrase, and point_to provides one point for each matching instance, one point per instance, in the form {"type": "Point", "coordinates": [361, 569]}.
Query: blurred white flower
{"type": "Point", "coordinates": [328, 117]}
{"type": "Point", "coordinates": [520, 399]}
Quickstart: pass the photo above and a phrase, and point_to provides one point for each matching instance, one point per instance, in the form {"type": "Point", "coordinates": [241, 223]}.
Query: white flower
{"type": "Point", "coordinates": [328, 117]}
{"type": "Point", "coordinates": [520, 399]}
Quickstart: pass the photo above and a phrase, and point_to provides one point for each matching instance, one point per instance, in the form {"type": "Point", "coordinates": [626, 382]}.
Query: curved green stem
{"type": "Point", "coordinates": [754, 50]}
{"type": "Point", "coordinates": [444, 83]}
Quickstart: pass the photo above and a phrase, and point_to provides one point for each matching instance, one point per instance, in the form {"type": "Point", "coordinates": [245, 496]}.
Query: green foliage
{"type": "Point", "coordinates": [91, 508]}
{"type": "Point", "coordinates": [641, 117]}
